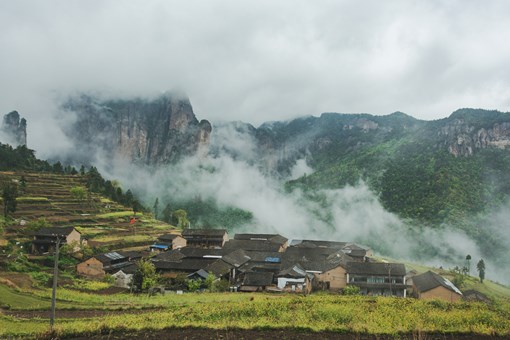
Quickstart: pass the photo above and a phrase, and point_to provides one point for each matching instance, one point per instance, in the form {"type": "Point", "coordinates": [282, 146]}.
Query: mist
{"type": "Point", "coordinates": [353, 213]}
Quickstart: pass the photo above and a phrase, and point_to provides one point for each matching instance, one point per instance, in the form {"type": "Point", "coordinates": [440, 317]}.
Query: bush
{"type": "Point", "coordinates": [220, 286]}
{"type": "Point", "coordinates": [351, 290]}
{"type": "Point", "coordinates": [40, 279]}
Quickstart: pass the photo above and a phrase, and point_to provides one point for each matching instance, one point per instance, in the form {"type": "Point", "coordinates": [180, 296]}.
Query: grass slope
{"type": "Point", "coordinates": [319, 312]}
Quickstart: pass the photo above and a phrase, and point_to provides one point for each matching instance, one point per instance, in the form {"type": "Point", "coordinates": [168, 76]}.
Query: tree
{"type": "Point", "coordinates": [78, 193]}
{"type": "Point", "coordinates": [145, 276]}
{"type": "Point", "coordinates": [9, 194]}
{"type": "Point", "coordinates": [155, 207]}
{"type": "Point", "coordinates": [136, 206]}
{"type": "Point", "coordinates": [22, 184]}
{"type": "Point", "coordinates": [167, 213]}
{"type": "Point", "coordinates": [180, 218]}
{"type": "Point", "coordinates": [480, 266]}
{"type": "Point", "coordinates": [468, 263]}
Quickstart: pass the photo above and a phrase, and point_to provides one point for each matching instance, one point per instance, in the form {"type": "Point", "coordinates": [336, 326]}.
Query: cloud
{"type": "Point", "coordinates": [266, 60]}
{"type": "Point", "coordinates": [353, 213]}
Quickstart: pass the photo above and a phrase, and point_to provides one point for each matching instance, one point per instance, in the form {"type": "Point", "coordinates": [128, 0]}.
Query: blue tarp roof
{"type": "Point", "coordinates": [160, 246]}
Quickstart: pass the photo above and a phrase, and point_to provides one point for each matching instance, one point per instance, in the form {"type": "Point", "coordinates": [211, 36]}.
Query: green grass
{"type": "Point", "coordinates": [15, 299]}
{"type": "Point", "coordinates": [123, 238]}
{"type": "Point", "coordinates": [320, 312]}
{"type": "Point", "coordinates": [116, 214]}
{"type": "Point", "coordinates": [31, 199]}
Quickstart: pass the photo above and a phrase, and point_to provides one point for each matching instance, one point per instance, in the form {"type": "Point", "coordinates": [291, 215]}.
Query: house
{"type": "Point", "coordinates": [124, 276]}
{"type": "Point", "coordinates": [356, 252]}
{"type": "Point", "coordinates": [185, 265]}
{"type": "Point", "coordinates": [45, 239]}
{"type": "Point", "coordinates": [295, 279]}
{"type": "Point", "coordinates": [168, 241]}
{"type": "Point", "coordinates": [198, 275]}
{"type": "Point", "coordinates": [430, 285]}
{"type": "Point", "coordinates": [108, 263]}
{"type": "Point", "coordinates": [256, 281]}
{"type": "Point", "coordinates": [372, 278]}
{"type": "Point", "coordinates": [205, 238]}
{"type": "Point", "coordinates": [255, 245]}
{"type": "Point", "coordinates": [328, 265]}
{"type": "Point", "coordinates": [273, 238]}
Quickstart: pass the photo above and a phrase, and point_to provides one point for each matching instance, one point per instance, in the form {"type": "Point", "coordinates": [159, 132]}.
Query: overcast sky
{"type": "Point", "coordinates": [260, 60]}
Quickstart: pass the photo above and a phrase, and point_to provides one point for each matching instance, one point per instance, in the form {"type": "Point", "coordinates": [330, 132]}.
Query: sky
{"type": "Point", "coordinates": [256, 61]}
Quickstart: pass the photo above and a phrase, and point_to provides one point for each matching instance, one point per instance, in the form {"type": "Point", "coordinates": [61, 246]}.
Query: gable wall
{"type": "Point", "coordinates": [440, 293]}
{"type": "Point", "coordinates": [336, 277]}
{"type": "Point", "coordinates": [91, 268]}
{"type": "Point", "coordinates": [178, 242]}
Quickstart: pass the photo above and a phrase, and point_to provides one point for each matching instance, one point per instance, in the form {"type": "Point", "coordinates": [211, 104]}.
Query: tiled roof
{"type": "Point", "coordinates": [236, 258]}
{"type": "Point", "coordinates": [431, 280]}
{"type": "Point", "coordinates": [168, 237]}
{"type": "Point", "coordinates": [258, 279]}
{"type": "Point", "coordinates": [295, 271]}
{"type": "Point", "coordinates": [314, 259]}
{"type": "Point", "coordinates": [376, 268]}
{"type": "Point", "coordinates": [219, 268]}
{"type": "Point", "coordinates": [252, 245]}
{"type": "Point", "coordinates": [275, 238]}
{"type": "Point", "coordinates": [204, 232]}
{"type": "Point", "coordinates": [185, 265]}
{"type": "Point", "coordinates": [54, 231]}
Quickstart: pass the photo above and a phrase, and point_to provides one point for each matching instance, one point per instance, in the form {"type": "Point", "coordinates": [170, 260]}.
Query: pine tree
{"type": "Point", "coordinates": [155, 207]}
{"type": "Point", "coordinates": [480, 266]}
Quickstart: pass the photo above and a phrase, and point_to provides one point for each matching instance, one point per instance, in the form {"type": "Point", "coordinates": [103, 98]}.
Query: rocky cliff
{"type": "Point", "coordinates": [14, 129]}
{"type": "Point", "coordinates": [146, 131]}
{"type": "Point", "coordinates": [468, 130]}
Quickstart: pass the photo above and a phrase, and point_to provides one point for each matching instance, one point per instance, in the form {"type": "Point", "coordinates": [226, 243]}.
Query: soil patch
{"type": "Point", "coordinates": [204, 333]}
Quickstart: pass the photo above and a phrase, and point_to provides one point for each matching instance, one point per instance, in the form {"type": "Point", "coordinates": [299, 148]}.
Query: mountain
{"type": "Point", "coordinates": [150, 132]}
{"type": "Point", "coordinates": [14, 129]}
{"type": "Point", "coordinates": [427, 170]}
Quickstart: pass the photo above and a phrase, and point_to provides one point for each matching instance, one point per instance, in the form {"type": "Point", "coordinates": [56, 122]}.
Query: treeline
{"type": "Point", "coordinates": [96, 183]}
{"type": "Point", "coordinates": [21, 158]}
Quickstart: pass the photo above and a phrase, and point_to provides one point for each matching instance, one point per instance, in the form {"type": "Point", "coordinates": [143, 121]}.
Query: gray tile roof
{"type": "Point", "coordinates": [236, 258]}
{"type": "Point", "coordinates": [376, 268]}
{"type": "Point", "coordinates": [168, 237]}
{"type": "Point", "coordinates": [258, 279]}
{"type": "Point", "coordinates": [431, 280]}
{"type": "Point", "coordinates": [204, 232]}
{"type": "Point", "coordinates": [185, 265]}
{"type": "Point", "coordinates": [253, 245]}
{"type": "Point", "coordinates": [54, 231]}
{"type": "Point", "coordinates": [275, 238]}
{"type": "Point", "coordinates": [219, 268]}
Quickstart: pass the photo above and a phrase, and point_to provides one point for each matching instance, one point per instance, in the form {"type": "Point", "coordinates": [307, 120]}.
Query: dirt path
{"type": "Point", "coordinates": [204, 334]}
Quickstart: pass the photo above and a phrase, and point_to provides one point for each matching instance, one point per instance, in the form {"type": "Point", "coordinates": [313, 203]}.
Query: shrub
{"type": "Point", "coordinates": [351, 290]}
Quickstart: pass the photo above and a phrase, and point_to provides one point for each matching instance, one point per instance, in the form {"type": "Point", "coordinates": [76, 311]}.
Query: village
{"type": "Point", "coordinates": [255, 263]}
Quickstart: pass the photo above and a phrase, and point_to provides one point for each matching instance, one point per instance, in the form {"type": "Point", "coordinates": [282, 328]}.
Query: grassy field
{"type": "Point", "coordinates": [318, 312]}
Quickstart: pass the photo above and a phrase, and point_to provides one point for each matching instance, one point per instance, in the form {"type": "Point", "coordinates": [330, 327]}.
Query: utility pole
{"type": "Point", "coordinates": [54, 291]}
{"type": "Point", "coordinates": [389, 277]}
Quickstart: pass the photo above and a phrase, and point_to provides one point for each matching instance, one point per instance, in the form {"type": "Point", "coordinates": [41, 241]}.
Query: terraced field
{"type": "Point", "coordinates": [47, 197]}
